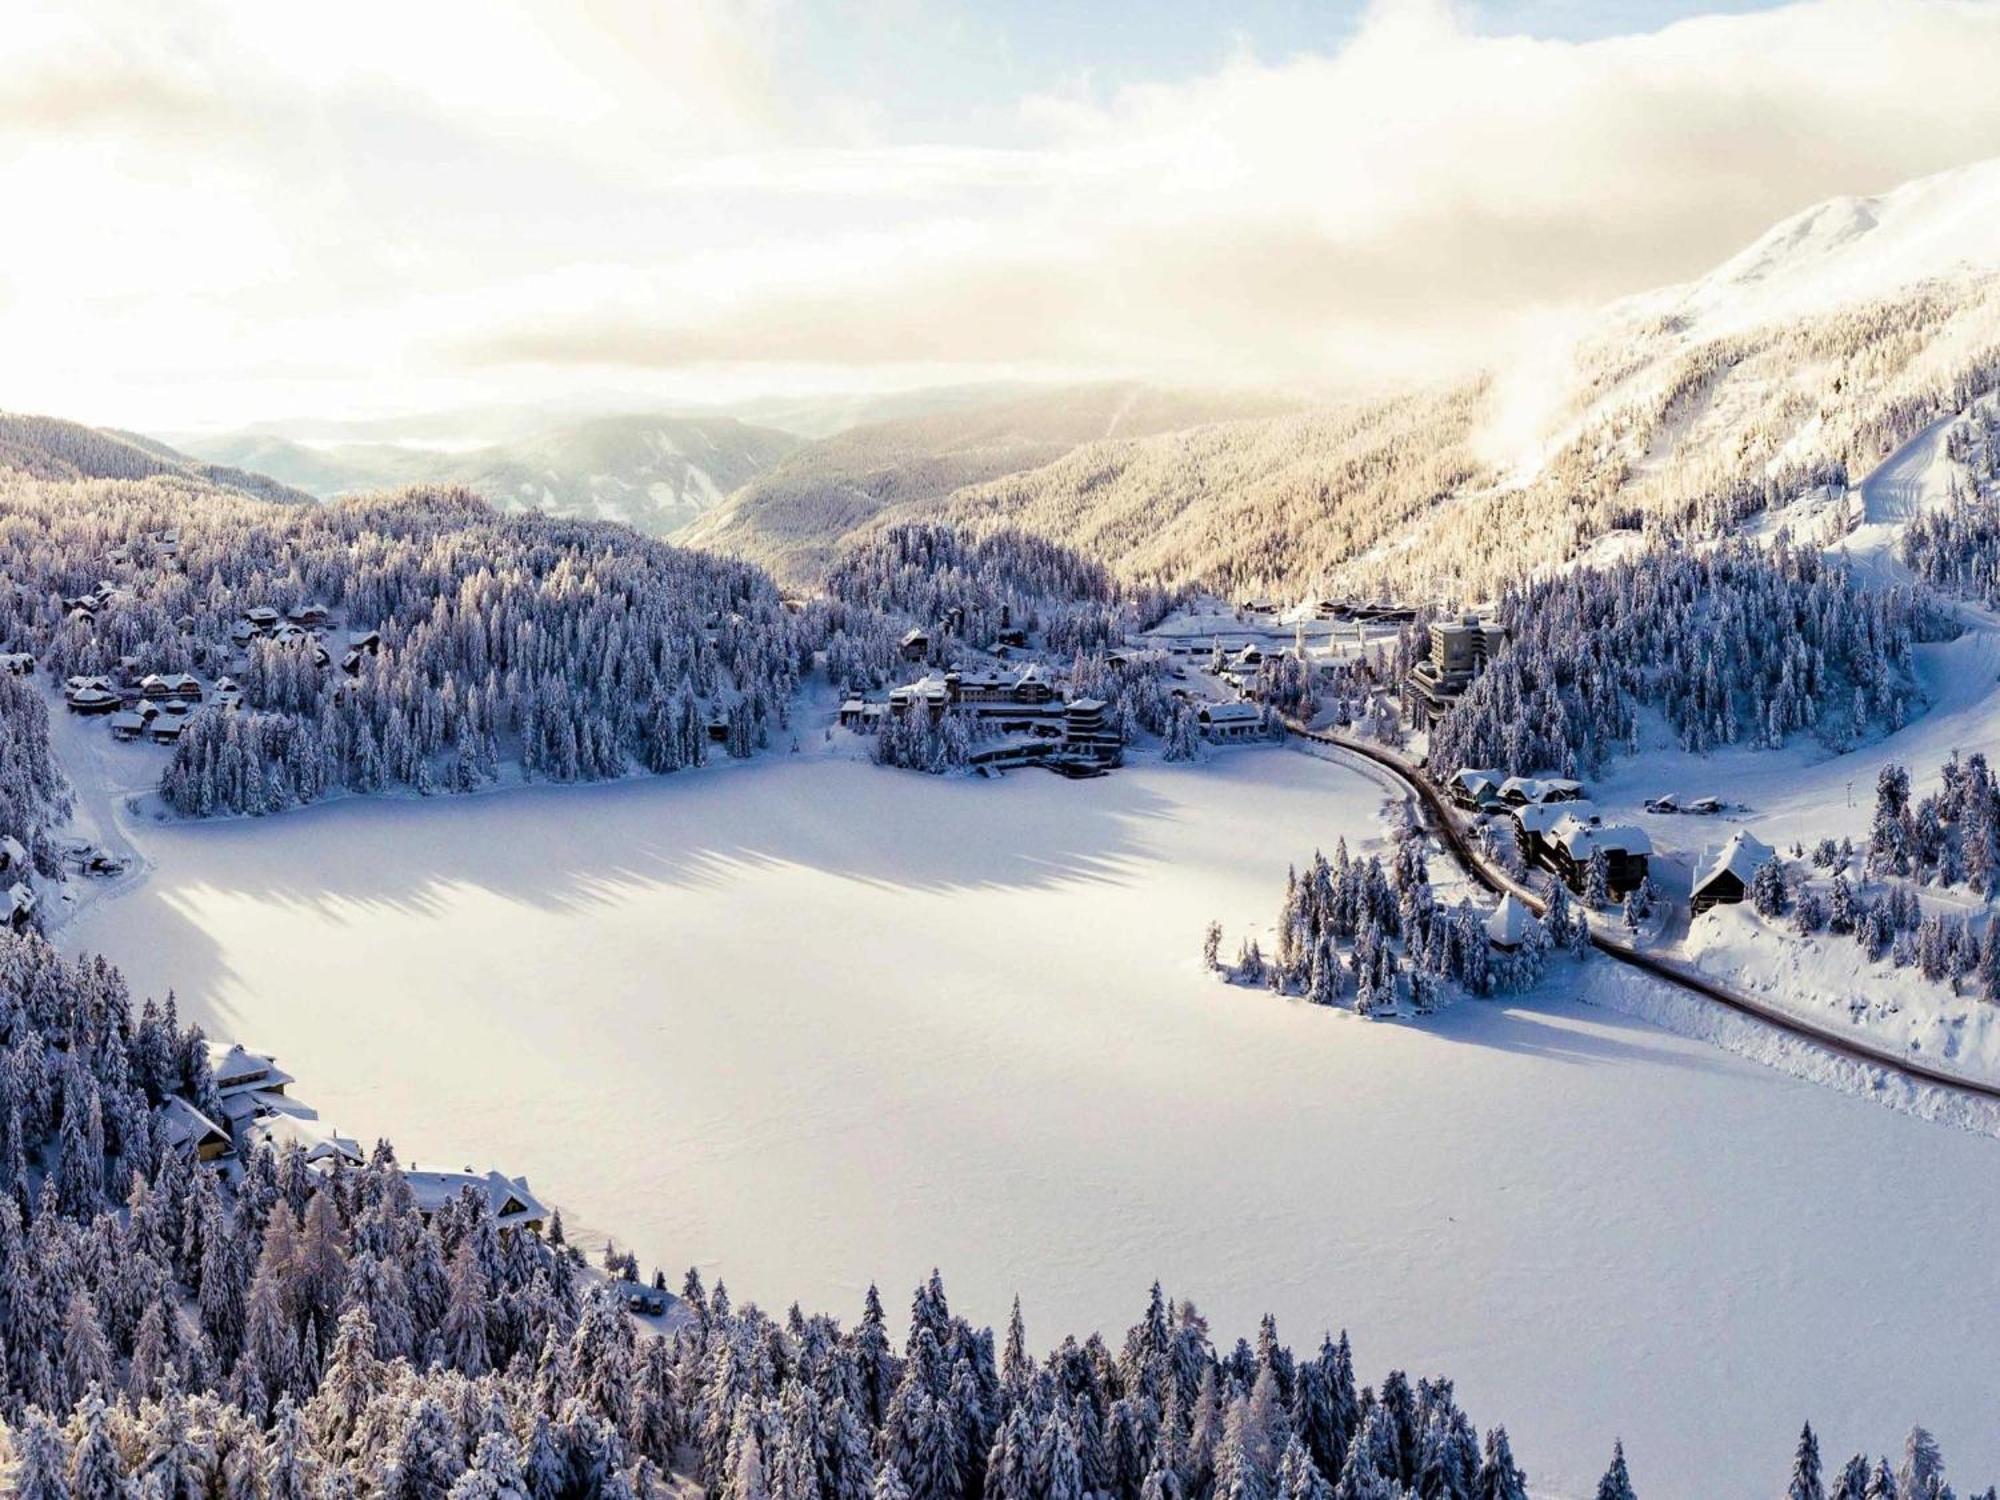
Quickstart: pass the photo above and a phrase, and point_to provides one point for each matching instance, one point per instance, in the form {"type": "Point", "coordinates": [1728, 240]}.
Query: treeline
{"type": "Point", "coordinates": [34, 793]}
{"type": "Point", "coordinates": [1379, 934]}
{"type": "Point", "coordinates": [1732, 645]}
{"type": "Point", "coordinates": [563, 650]}
{"type": "Point", "coordinates": [964, 589]}
{"type": "Point", "coordinates": [305, 1334]}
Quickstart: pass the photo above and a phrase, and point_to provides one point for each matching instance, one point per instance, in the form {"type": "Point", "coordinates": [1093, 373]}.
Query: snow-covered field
{"type": "Point", "coordinates": [808, 1023]}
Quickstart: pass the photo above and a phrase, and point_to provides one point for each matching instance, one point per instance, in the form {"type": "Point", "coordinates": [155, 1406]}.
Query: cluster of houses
{"type": "Point", "coordinates": [1460, 650]}
{"type": "Point", "coordinates": [1558, 829]}
{"type": "Point", "coordinates": [153, 706]}
{"type": "Point", "coordinates": [256, 1110]}
{"type": "Point", "coordinates": [1022, 706]}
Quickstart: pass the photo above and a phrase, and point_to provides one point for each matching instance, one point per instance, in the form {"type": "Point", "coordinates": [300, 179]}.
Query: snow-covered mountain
{"type": "Point", "coordinates": [1807, 358]}
{"type": "Point", "coordinates": [656, 473]}
{"type": "Point", "coordinates": [53, 448]}
{"type": "Point", "coordinates": [795, 518]}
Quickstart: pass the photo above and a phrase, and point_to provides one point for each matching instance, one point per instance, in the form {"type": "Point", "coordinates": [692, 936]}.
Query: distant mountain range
{"type": "Point", "coordinates": [655, 473]}
{"type": "Point", "coordinates": [52, 448]}
{"type": "Point", "coordinates": [1800, 362]}
{"type": "Point", "coordinates": [1806, 358]}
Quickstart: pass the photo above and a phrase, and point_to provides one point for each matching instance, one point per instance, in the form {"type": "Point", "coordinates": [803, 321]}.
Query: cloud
{"type": "Point", "coordinates": [1415, 197]}
{"type": "Point", "coordinates": [527, 196]}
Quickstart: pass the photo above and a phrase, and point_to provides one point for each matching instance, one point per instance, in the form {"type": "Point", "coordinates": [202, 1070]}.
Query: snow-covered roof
{"type": "Point", "coordinates": [20, 898]}
{"type": "Point", "coordinates": [1230, 713]}
{"type": "Point", "coordinates": [319, 1140]}
{"type": "Point", "coordinates": [509, 1197]}
{"type": "Point", "coordinates": [914, 634]}
{"type": "Point", "coordinates": [1510, 922]}
{"type": "Point", "coordinates": [187, 1126]}
{"type": "Point", "coordinates": [1087, 705]}
{"type": "Point", "coordinates": [11, 850]}
{"type": "Point", "coordinates": [236, 1067]}
{"type": "Point", "coordinates": [1476, 779]}
{"type": "Point", "coordinates": [1582, 838]}
{"type": "Point", "coordinates": [1540, 817]}
{"type": "Point", "coordinates": [1740, 857]}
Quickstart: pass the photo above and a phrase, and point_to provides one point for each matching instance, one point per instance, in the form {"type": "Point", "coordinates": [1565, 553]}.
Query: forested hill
{"type": "Point", "coordinates": [1803, 361]}
{"type": "Point", "coordinates": [461, 644]}
{"type": "Point", "coordinates": [51, 448]}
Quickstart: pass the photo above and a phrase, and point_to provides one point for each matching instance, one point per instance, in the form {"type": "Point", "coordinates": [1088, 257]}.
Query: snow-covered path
{"type": "Point", "coordinates": [808, 1023]}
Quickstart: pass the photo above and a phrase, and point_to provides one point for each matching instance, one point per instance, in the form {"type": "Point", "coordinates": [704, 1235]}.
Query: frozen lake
{"type": "Point", "coordinates": [807, 1023]}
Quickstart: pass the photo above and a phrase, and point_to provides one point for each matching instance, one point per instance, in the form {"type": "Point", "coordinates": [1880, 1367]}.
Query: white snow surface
{"type": "Point", "coordinates": [1849, 250]}
{"type": "Point", "coordinates": [807, 1023]}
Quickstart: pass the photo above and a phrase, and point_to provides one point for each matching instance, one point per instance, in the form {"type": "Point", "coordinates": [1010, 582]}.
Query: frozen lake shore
{"type": "Point", "coordinates": [807, 1023]}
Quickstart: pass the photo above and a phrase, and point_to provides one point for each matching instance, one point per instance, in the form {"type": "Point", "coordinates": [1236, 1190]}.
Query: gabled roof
{"type": "Point", "coordinates": [1476, 778]}
{"type": "Point", "coordinates": [20, 898]}
{"type": "Point", "coordinates": [1510, 923]}
{"type": "Point", "coordinates": [1541, 817]}
{"type": "Point", "coordinates": [1230, 713]}
{"type": "Point", "coordinates": [187, 1126]}
{"type": "Point", "coordinates": [236, 1067]}
{"type": "Point", "coordinates": [12, 851]}
{"type": "Point", "coordinates": [319, 1140]}
{"type": "Point", "coordinates": [508, 1197]}
{"type": "Point", "coordinates": [1582, 838]}
{"type": "Point", "coordinates": [1741, 857]}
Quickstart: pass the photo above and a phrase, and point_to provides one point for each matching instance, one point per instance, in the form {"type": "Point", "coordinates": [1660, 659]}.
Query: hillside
{"type": "Point", "coordinates": [655, 473]}
{"type": "Point", "coordinates": [51, 448]}
{"type": "Point", "coordinates": [1805, 359]}
{"type": "Point", "coordinates": [796, 518]}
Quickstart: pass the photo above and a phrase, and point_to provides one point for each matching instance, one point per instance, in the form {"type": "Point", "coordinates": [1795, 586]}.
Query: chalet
{"type": "Point", "coordinates": [1519, 791]}
{"type": "Point", "coordinates": [640, 1299]}
{"type": "Point", "coordinates": [171, 687]}
{"type": "Point", "coordinates": [20, 905]}
{"type": "Point", "coordinates": [1250, 658]}
{"type": "Point", "coordinates": [261, 618]}
{"type": "Point", "coordinates": [514, 1207]}
{"type": "Point", "coordinates": [130, 723]}
{"type": "Point", "coordinates": [1574, 839]}
{"type": "Point", "coordinates": [13, 855]}
{"type": "Point", "coordinates": [227, 693]}
{"type": "Point", "coordinates": [307, 616]}
{"type": "Point", "coordinates": [188, 1129]}
{"type": "Point", "coordinates": [166, 729]}
{"type": "Point", "coordinates": [859, 713]}
{"type": "Point", "coordinates": [1727, 878]}
{"type": "Point", "coordinates": [17, 663]}
{"type": "Point", "coordinates": [915, 645]}
{"type": "Point", "coordinates": [1511, 923]}
{"type": "Point", "coordinates": [237, 1070]}
{"type": "Point", "coordinates": [1474, 788]}
{"type": "Point", "coordinates": [289, 634]}
{"type": "Point", "coordinates": [1230, 721]}
{"type": "Point", "coordinates": [321, 1143]}
{"type": "Point", "coordinates": [1535, 821]}
{"type": "Point", "coordinates": [91, 695]}
{"type": "Point", "coordinates": [1459, 652]}
{"type": "Point", "coordinates": [1703, 807]}
{"type": "Point", "coordinates": [1012, 635]}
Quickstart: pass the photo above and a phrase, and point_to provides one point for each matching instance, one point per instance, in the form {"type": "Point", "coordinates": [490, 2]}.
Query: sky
{"type": "Point", "coordinates": [224, 212]}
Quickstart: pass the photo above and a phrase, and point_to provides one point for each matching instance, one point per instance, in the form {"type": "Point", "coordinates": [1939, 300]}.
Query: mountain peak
{"type": "Point", "coordinates": [1854, 249]}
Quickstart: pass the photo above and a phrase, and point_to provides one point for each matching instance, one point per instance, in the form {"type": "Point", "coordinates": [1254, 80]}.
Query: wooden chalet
{"type": "Point", "coordinates": [1726, 879]}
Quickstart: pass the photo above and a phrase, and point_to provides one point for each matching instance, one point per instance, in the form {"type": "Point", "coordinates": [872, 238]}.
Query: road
{"type": "Point", "coordinates": [1445, 823]}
